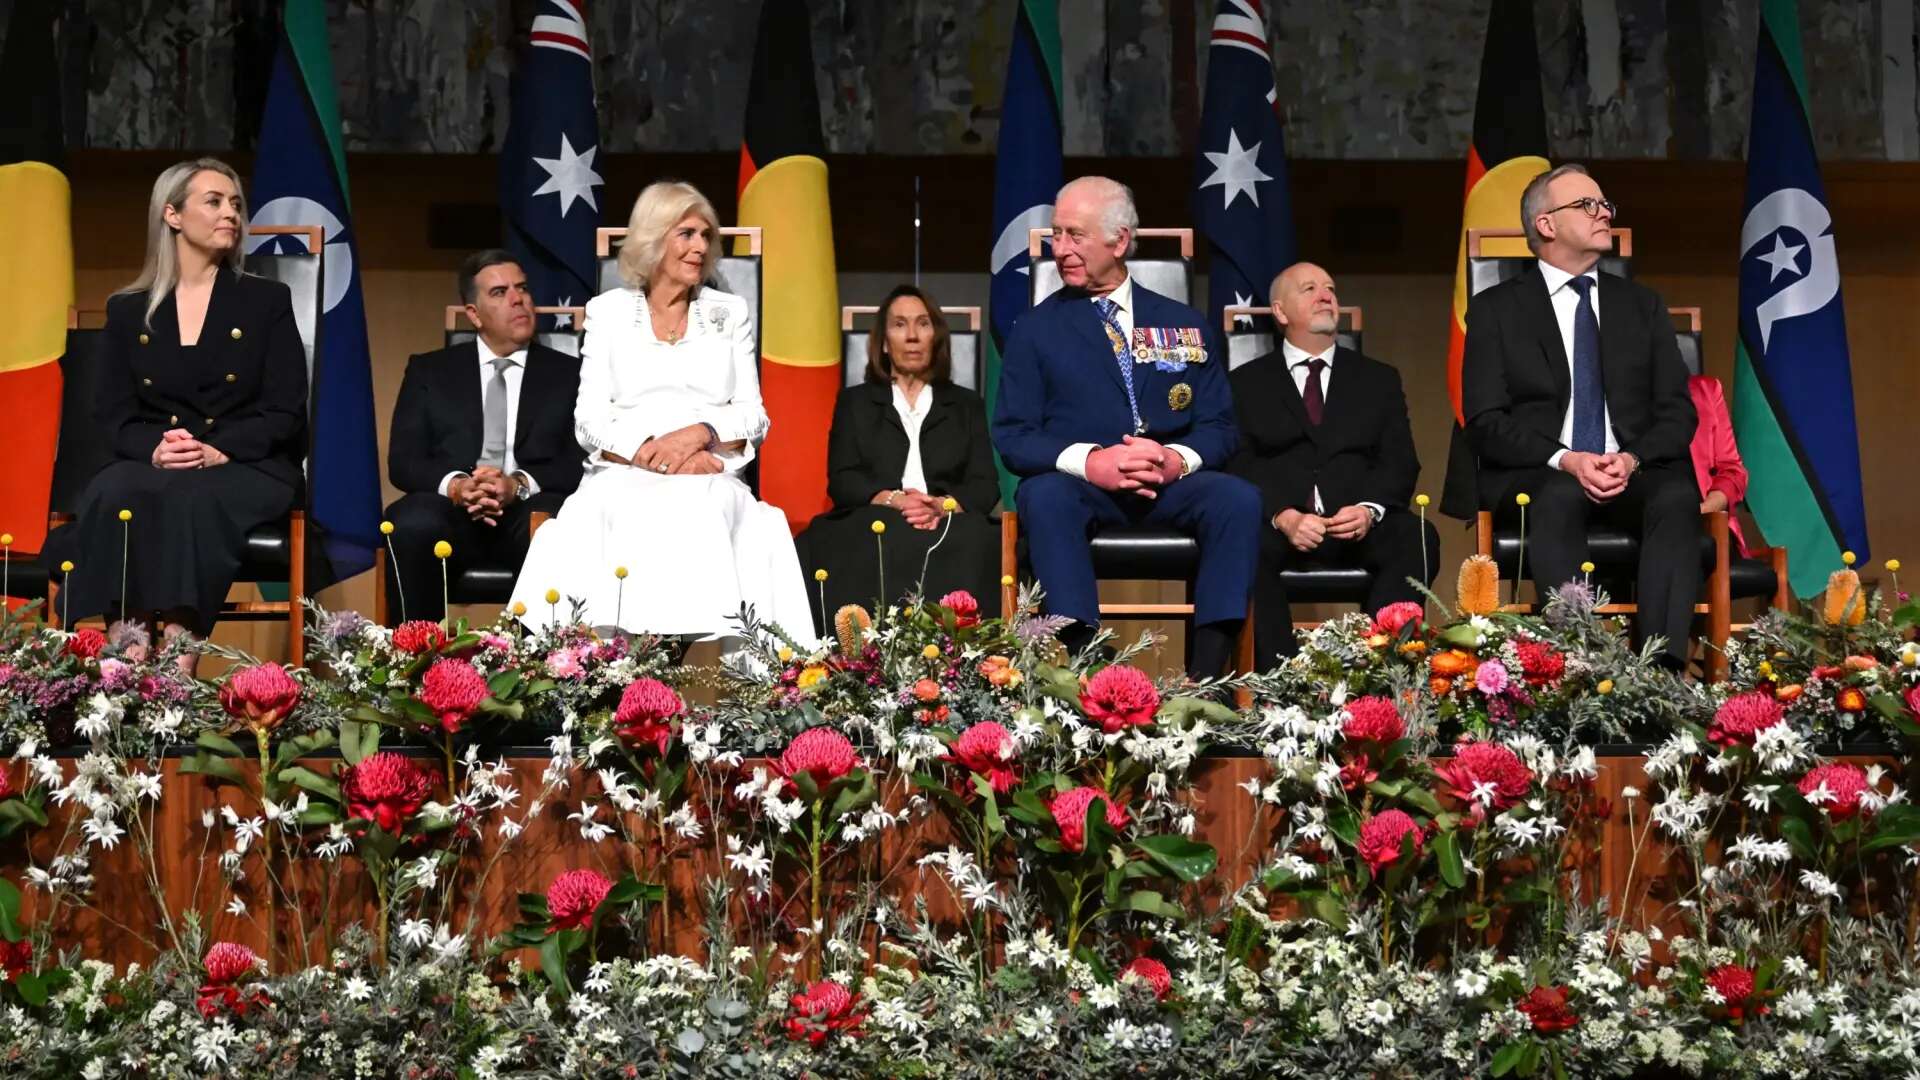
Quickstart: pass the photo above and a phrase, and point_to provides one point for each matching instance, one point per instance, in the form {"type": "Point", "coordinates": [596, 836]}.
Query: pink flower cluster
{"type": "Point", "coordinates": [822, 1009]}
{"type": "Point", "coordinates": [385, 789]}
{"type": "Point", "coordinates": [453, 689]}
{"type": "Point", "coordinates": [1481, 763]}
{"type": "Point", "coordinates": [1119, 697]}
{"type": "Point", "coordinates": [1070, 814]}
{"type": "Point", "coordinates": [985, 749]}
{"type": "Point", "coordinates": [1742, 716]}
{"type": "Point", "coordinates": [1391, 619]}
{"type": "Point", "coordinates": [822, 753]}
{"type": "Point", "coordinates": [1373, 719]}
{"type": "Point", "coordinates": [1154, 973]}
{"type": "Point", "coordinates": [573, 898]}
{"type": "Point", "coordinates": [646, 713]}
{"type": "Point", "coordinates": [261, 696]}
{"type": "Point", "coordinates": [418, 637]}
{"type": "Point", "coordinates": [1845, 783]}
{"type": "Point", "coordinates": [966, 610]}
{"type": "Point", "coordinates": [1381, 837]}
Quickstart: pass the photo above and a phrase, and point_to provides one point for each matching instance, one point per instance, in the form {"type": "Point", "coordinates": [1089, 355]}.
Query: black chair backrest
{"type": "Point", "coordinates": [1251, 333]}
{"type": "Point", "coordinates": [963, 341]}
{"type": "Point", "coordinates": [1686, 333]}
{"type": "Point", "coordinates": [303, 272]}
{"type": "Point", "coordinates": [737, 273]}
{"type": "Point", "coordinates": [566, 338]}
{"type": "Point", "coordinates": [81, 451]}
{"type": "Point", "coordinates": [1170, 276]}
{"type": "Point", "coordinates": [1497, 255]}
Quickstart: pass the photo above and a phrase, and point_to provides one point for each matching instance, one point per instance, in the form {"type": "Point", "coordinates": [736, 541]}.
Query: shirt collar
{"type": "Point", "coordinates": [518, 356]}
{"type": "Point", "coordinates": [920, 406]}
{"type": "Point", "coordinates": [1122, 294]}
{"type": "Point", "coordinates": [1557, 278]}
{"type": "Point", "coordinates": [1295, 355]}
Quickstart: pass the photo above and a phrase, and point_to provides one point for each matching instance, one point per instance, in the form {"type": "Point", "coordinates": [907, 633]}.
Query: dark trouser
{"type": "Point", "coordinates": [422, 519]}
{"type": "Point", "coordinates": [1059, 513]}
{"type": "Point", "coordinates": [1661, 502]}
{"type": "Point", "coordinates": [1391, 550]}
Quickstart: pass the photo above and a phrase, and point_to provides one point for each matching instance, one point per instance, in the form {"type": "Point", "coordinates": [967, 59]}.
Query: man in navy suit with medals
{"type": "Point", "coordinates": [1114, 408]}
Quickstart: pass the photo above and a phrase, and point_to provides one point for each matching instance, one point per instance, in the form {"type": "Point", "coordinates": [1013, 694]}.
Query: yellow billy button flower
{"type": "Point", "coordinates": [1848, 557]}
{"type": "Point", "coordinates": [1605, 687]}
{"type": "Point", "coordinates": [1586, 568]}
{"type": "Point", "coordinates": [1522, 499]}
{"type": "Point", "coordinates": [442, 549]}
{"type": "Point", "coordinates": [1006, 581]}
{"type": "Point", "coordinates": [949, 504]}
{"type": "Point", "coordinates": [519, 608]}
{"type": "Point", "coordinates": [1893, 566]}
{"type": "Point", "coordinates": [620, 572]}
{"type": "Point", "coordinates": [553, 596]}
{"type": "Point", "coordinates": [1421, 500]}
{"type": "Point", "coordinates": [820, 575]}
{"type": "Point", "coordinates": [386, 528]}
{"type": "Point", "coordinates": [931, 652]}
{"type": "Point", "coordinates": [785, 654]}
{"type": "Point", "coordinates": [67, 567]}
{"type": "Point", "coordinates": [126, 515]}
{"type": "Point", "coordinates": [6, 539]}
{"type": "Point", "coordinates": [879, 527]}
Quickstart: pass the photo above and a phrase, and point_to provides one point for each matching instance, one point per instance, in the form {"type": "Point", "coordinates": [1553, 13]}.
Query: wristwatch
{"type": "Point", "coordinates": [521, 488]}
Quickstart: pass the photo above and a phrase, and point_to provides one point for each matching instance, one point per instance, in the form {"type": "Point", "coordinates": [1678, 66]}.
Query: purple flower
{"type": "Point", "coordinates": [342, 625]}
{"type": "Point", "coordinates": [130, 639]}
{"type": "Point", "coordinates": [1490, 678]}
{"type": "Point", "coordinates": [564, 664]}
{"type": "Point", "coordinates": [116, 675]}
{"type": "Point", "coordinates": [165, 690]}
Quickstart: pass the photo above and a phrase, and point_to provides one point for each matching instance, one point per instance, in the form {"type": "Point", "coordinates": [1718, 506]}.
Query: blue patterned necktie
{"type": "Point", "coordinates": [1589, 392]}
{"type": "Point", "coordinates": [1110, 319]}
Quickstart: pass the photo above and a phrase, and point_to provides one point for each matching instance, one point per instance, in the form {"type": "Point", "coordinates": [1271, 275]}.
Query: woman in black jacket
{"type": "Point", "coordinates": [904, 441]}
{"type": "Point", "coordinates": [201, 395]}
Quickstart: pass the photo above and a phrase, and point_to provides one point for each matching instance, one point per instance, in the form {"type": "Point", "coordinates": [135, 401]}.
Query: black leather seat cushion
{"type": "Point", "coordinates": [1138, 552]}
{"type": "Point", "coordinates": [268, 554]}
{"type": "Point", "coordinates": [483, 585]}
{"type": "Point", "coordinates": [1341, 584]}
{"type": "Point", "coordinates": [1615, 554]}
{"type": "Point", "coordinates": [1750, 577]}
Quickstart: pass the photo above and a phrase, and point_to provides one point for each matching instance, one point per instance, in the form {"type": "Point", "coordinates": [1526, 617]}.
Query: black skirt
{"type": "Point", "coordinates": [841, 542]}
{"type": "Point", "coordinates": [183, 546]}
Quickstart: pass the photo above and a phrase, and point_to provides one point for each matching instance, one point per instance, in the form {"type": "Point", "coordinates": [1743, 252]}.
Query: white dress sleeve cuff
{"type": "Point", "coordinates": [1073, 460]}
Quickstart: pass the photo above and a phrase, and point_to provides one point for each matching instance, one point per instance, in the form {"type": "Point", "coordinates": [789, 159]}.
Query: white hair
{"type": "Point", "coordinates": [1533, 200]}
{"type": "Point", "coordinates": [1117, 210]}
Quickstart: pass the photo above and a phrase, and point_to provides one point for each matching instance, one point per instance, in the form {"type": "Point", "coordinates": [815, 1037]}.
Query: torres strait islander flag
{"type": "Point", "coordinates": [783, 190]}
{"type": "Point", "coordinates": [1792, 380]}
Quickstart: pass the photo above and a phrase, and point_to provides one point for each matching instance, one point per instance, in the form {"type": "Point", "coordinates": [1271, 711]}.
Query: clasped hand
{"type": "Point", "coordinates": [922, 511]}
{"type": "Point", "coordinates": [178, 449]}
{"type": "Point", "coordinates": [1602, 476]}
{"type": "Point", "coordinates": [484, 494]}
{"type": "Point", "coordinates": [1307, 531]}
{"type": "Point", "coordinates": [1136, 464]}
{"type": "Point", "coordinates": [678, 453]}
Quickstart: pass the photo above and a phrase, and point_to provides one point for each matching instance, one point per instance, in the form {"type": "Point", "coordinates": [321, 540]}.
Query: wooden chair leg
{"type": "Point", "coordinates": [1244, 659]}
{"type": "Point", "coordinates": [1009, 563]}
{"type": "Point", "coordinates": [297, 588]}
{"type": "Point", "coordinates": [1719, 598]}
{"type": "Point", "coordinates": [1483, 533]}
{"type": "Point", "coordinates": [535, 520]}
{"type": "Point", "coordinates": [1782, 592]}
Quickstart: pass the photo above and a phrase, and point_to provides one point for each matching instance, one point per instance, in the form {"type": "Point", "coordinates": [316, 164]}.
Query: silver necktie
{"type": "Point", "coordinates": [493, 411]}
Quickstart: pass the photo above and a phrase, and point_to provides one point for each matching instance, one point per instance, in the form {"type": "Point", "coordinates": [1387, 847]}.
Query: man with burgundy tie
{"type": "Point", "coordinates": [482, 436]}
{"type": "Point", "coordinates": [1573, 392]}
{"type": "Point", "coordinates": [1324, 435]}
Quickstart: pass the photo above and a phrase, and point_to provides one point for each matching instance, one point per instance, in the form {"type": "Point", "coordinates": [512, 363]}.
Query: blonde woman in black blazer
{"type": "Point", "coordinates": [876, 472]}
{"type": "Point", "coordinates": [201, 395]}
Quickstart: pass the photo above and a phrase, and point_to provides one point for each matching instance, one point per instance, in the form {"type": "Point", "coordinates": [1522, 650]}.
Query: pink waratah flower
{"type": "Point", "coordinates": [1547, 1007]}
{"type": "Point", "coordinates": [261, 696]}
{"type": "Point", "coordinates": [1540, 663]}
{"type": "Point", "coordinates": [1381, 836]}
{"type": "Point", "coordinates": [386, 789]}
{"type": "Point", "coordinates": [6, 784]}
{"type": "Point", "coordinates": [86, 643]}
{"type": "Point", "coordinates": [1389, 620]}
{"type": "Point", "coordinates": [496, 642]}
{"type": "Point", "coordinates": [228, 961]}
{"type": "Point", "coordinates": [453, 689]}
{"type": "Point", "coordinates": [419, 636]}
{"type": "Point", "coordinates": [1844, 783]}
{"type": "Point", "coordinates": [646, 712]}
{"type": "Point", "coordinates": [1154, 973]}
{"type": "Point", "coordinates": [1732, 982]}
{"type": "Point", "coordinates": [1482, 763]}
{"type": "Point", "coordinates": [573, 898]}
{"type": "Point", "coordinates": [822, 1009]}
{"type": "Point", "coordinates": [1070, 814]}
{"type": "Point", "coordinates": [986, 749]}
{"type": "Point", "coordinates": [1373, 719]}
{"type": "Point", "coordinates": [1490, 678]}
{"type": "Point", "coordinates": [565, 664]}
{"type": "Point", "coordinates": [966, 610]}
{"type": "Point", "coordinates": [1743, 716]}
{"type": "Point", "coordinates": [1119, 697]}
{"type": "Point", "coordinates": [821, 753]}
{"type": "Point", "coordinates": [1913, 700]}
{"type": "Point", "coordinates": [16, 959]}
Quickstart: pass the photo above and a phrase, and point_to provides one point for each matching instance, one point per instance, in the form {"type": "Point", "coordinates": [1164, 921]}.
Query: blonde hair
{"type": "Point", "coordinates": [664, 204]}
{"type": "Point", "coordinates": [160, 272]}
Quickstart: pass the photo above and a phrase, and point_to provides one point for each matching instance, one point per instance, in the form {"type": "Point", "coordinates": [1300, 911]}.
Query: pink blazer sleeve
{"type": "Point", "coordinates": [1716, 459]}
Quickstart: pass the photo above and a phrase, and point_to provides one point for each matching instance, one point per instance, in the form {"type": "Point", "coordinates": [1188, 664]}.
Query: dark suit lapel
{"type": "Point", "coordinates": [463, 392]}
{"type": "Point", "coordinates": [1553, 351]}
{"type": "Point", "coordinates": [216, 331]}
{"type": "Point", "coordinates": [1344, 388]}
{"type": "Point", "coordinates": [1615, 314]}
{"type": "Point", "coordinates": [880, 396]}
{"type": "Point", "coordinates": [533, 397]}
{"type": "Point", "coordinates": [937, 413]}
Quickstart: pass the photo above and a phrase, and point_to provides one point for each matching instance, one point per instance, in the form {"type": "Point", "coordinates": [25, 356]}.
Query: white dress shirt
{"type": "Point", "coordinates": [1565, 300]}
{"type": "Point", "coordinates": [914, 476]}
{"type": "Point", "coordinates": [1073, 460]}
{"type": "Point", "coordinates": [516, 370]}
{"type": "Point", "coordinates": [1297, 360]}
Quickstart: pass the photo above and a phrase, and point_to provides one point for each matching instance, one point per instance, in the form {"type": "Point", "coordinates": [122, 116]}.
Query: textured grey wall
{"type": "Point", "coordinates": [1358, 78]}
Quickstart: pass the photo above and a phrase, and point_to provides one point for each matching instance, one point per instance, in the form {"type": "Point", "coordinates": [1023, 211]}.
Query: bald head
{"type": "Point", "coordinates": [1093, 225]}
{"type": "Point", "coordinates": [1305, 306]}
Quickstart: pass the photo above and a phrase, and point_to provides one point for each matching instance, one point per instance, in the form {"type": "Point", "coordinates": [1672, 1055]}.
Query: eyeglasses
{"type": "Point", "coordinates": [1590, 206]}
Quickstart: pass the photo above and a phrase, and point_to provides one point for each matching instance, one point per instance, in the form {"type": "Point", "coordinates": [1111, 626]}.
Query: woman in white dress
{"type": "Point", "coordinates": [669, 412]}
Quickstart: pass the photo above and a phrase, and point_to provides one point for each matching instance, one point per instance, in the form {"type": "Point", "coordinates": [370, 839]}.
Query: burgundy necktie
{"type": "Point", "coordinates": [1313, 396]}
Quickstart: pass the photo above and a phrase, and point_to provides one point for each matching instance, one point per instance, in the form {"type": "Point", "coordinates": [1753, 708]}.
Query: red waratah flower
{"type": "Point", "coordinates": [1478, 763]}
{"type": "Point", "coordinates": [646, 713]}
{"type": "Point", "coordinates": [1389, 620]}
{"type": "Point", "coordinates": [227, 961]}
{"type": "Point", "coordinates": [86, 643]}
{"type": "Point", "coordinates": [1546, 1006]}
{"type": "Point", "coordinates": [6, 784]}
{"type": "Point", "coordinates": [1154, 972]}
{"type": "Point", "coordinates": [1373, 719]}
{"type": "Point", "coordinates": [1358, 773]}
{"type": "Point", "coordinates": [419, 636]}
{"type": "Point", "coordinates": [453, 689]}
{"type": "Point", "coordinates": [1743, 716]}
{"type": "Point", "coordinates": [822, 1009]}
{"type": "Point", "coordinates": [16, 959]}
{"type": "Point", "coordinates": [1540, 663]}
{"type": "Point", "coordinates": [966, 610]}
{"type": "Point", "coordinates": [385, 789]}
{"type": "Point", "coordinates": [573, 898]}
{"type": "Point", "coordinates": [1734, 984]}
{"type": "Point", "coordinates": [1070, 814]}
{"type": "Point", "coordinates": [821, 753]}
{"type": "Point", "coordinates": [1381, 836]}
{"type": "Point", "coordinates": [1119, 697]}
{"type": "Point", "coordinates": [1846, 783]}
{"type": "Point", "coordinates": [985, 748]}
{"type": "Point", "coordinates": [261, 696]}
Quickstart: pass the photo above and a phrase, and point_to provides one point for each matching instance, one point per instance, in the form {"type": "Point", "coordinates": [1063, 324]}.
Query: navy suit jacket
{"type": "Point", "coordinates": [1060, 385]}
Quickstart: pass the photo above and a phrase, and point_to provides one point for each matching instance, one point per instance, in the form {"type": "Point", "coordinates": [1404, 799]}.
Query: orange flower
{"type": "Point", "coordinates": [1412, 649]}
{"type": "Point", "coordinates": [1843, 601]}
{"type": "Point", "coordinates": [1788, 693]}
{"type": "Point", "coordinates": [1440, 687]}
{"type": "Point", "coordinates": [810, 675]}
{"type": "Point", "coordinates": [926, 690]}
{"type": "Point", "coordinates": [1000, 672]}
{"type": "Point", "coordinates": [1452, 664]}
{"type": "Point", "coordinates": [1851, 700]}
{"type": "Point", "coordinates": [1378, 641]}
{"type": "Point", "coordinates": [1478, 586]}
{"type": "Point", "coordinates": [1861, 663]}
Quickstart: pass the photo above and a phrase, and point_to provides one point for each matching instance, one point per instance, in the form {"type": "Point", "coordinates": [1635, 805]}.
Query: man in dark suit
{"type": "Point", "coordinates": [1573, 391]}
{"type": "Point", "coordinates": [1114, 408]}
{"type": "Point", "coordinates": [1324, 435]}
{"type": "Point", "coordinates": [482, 437]}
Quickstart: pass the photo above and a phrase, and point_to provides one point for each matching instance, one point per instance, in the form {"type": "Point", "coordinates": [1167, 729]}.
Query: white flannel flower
{"type": "Point", "coordinates": [357, 989]}
{"type": "Point", "coordinates": [236, 906]}
{"type": "Point", "coordinates": [590, 829]}
{"type": "Point", "coordinates": [1819, 885]}
{"type": "Point", "coordinates": [415, 932]}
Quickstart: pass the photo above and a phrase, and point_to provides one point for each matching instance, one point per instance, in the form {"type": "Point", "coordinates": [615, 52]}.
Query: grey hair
{"type": "Point", "coordinates": [1533, 201]}
{"type": "Point", "coordinates": [661, 206]}
{"type": "Point", "coordinates": [160, 272]}
{"type": "Point", "coordinates": [1117, 207]}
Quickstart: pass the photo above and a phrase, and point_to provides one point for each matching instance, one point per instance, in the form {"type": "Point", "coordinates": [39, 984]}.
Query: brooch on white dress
{"type": "Point", "coordinates": [719, 318]}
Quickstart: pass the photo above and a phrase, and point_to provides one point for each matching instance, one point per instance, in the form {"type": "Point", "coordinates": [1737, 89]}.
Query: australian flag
{"type": "Point", "coordinates": [1240, 195]}
{"type": "Point", "coordinates": [547, 178]}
